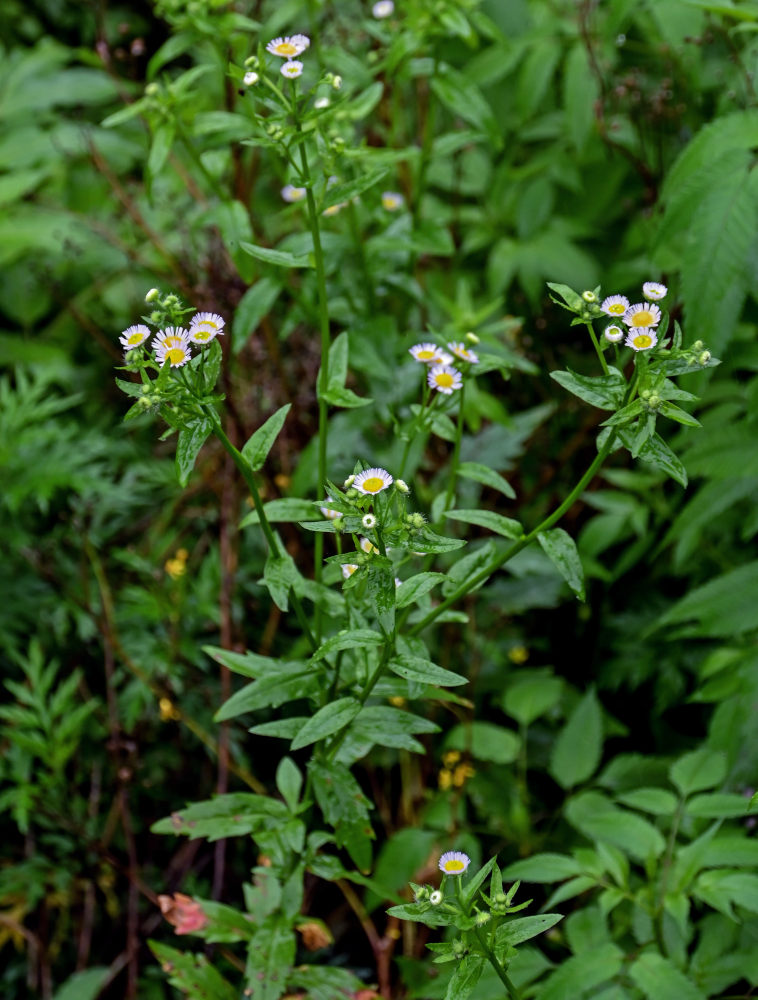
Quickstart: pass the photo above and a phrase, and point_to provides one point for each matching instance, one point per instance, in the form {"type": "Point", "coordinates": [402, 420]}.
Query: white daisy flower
{"type": "Point", "coordinates": [291, 193]}
{"type": "Point", "coordinates": [444, 379]}
{"type": "Point", "coordinates": [642, 315]}
{"type": "Point", "coordinates": [250, 78]}
{"type": "Point", "coordinates": [320, 103]}
{"type": "Point", "coordinates": [461, 351]}
{"type": "Point", "coordinates": [133, 336]}
{"type": "Point", "coordinates": [615, 305]}
{"type": "Point", "coordinates": [289, 47]}
{"type": "Point", "coordinates": [205, 326]}
{"type": "Point", "coordinates": [292, 69]}
{"type": "Point", "coordinates": [368, 547]}
{"type": "Point", "coordinates": [172, 347]}
{"type": "Point", "coordinates": [369, 521]}
{"type": "Point", "coordinates": [454, 862]}
{"type": "Point", "coordinates": [383, 8]}
{"type": "Point", "coordinates": [372, 481]}
{"type": "Point", "coordinates": [430, 354]}
{"type": "Point", "coordinates": [392, 201]}
{"type": "Point", "coordinates": [334, 209]}
{"type": "Point", "coordinates": [641, 341]}
{"type": "Point", "coordinates": [348, 569]}
{"type": "Point", "coordinates": [653, 291]}
{"type": "Point", "coordinates": [614, 333]}
{"type": "Point", "coordinates": [435, 898]}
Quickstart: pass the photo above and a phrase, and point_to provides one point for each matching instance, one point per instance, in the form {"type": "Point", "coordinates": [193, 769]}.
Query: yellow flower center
{"type": "Point", "coordinates": [202, 334]}
{"type": "Point", "coordinates": [643, 340]}
{"type": "Point", "coordinates": [176, 355]}
{"type": "Point", "coordinates": [643, 318]}
{"type": "Point", "coordinates": [454, 865]}
{"type": "Point", "coordinates": [373, 484]}
{"type": "Point", "coordinates": [617, 309]}
{"type": "Point", "coordinates": [444, 379]}
{"type": "Point", "coordinates": [286, 49]}
{"type": "Point", "coordinates": [136, 338]}
{"type": "Point", "coordinates": [426, 355]}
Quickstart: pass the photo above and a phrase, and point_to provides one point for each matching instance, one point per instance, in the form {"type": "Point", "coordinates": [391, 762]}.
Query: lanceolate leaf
{"type": "Point", "coordinates": [259, 444]}
{"type": "Point", "coordinates": [560, 547]}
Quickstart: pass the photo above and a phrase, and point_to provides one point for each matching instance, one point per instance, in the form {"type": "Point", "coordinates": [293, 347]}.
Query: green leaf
{"type": "Point", "coordinates": [392, 727]}
{"type": "Point", "coordinates": [573, 299]}
{"type": "Point", "coordinates": [598, 819]}
{"type": "Point", "coordinates": [84, 985]}
{"type": "Point", "coordinates": [659, 979]}
{"type": "Point", "coordinates": [719, 806]}
{"type": "Point", "coordinates": [531, 697]}
{"type": "Point", "coordinates": [291, 683]}
{"type": "Point", "coordinates": [349, 639]}
{"type": "Point", "coordinates": [338, 193]}
{"type": "Point", "coordinates": [160, 147]}
{"type": "Point", "coordinates": [270, 956]}
{"type": "Point", "coordinates": [560, 548]}
{"type": "Point", "coordinates": [193, 975]}
{"type": "Point", "coordinates": [463, 98]}
{"type": "Point", "coordinates": [667, 409]}
{"type": "Point", "coordinates": [580, 974]}
{"type": "Point", "coordinates": [329, 719]}
{"type": "Point", "coordinates": [191, 439]}
{"type": "Point", "coordinates": [697, 770]}
{"type": "Point", "coordinates": [414, 668]}
{"type": "Point", "coordinates": [725, 606]}
{"type": "Point", "coordinates": [505, 526]}
{"type": "Point", "coordinates": [283, 510]}
{"type": "Point", "coordinates": [543, 868]}
{"type": "Point", "coordinates": [234, 815]}
{"type": "Point", "coordinates": [289, 781]}
{"type": "Point", "coordinates": [580, 91]}
{"type": "Point", "coordinates": [259, 444]}
{"type": "Point", "coordinates": [465, 976]}
{"type": "Point", "coordinates": [521, 929]}
{"type": "Point", "coordinates": [254, 305]}
{"type": "Point", "coordinates": [414, 588]}
{"type": "Point", "coordinates": [658, 801]}
{"type": "Point", "coordinates": [345, 807]}
{"type": "Point", "coordinates": [426, 540]}
{"type": "Point", "coordinates": [279, 257]}
{"type": "Point", "coordinates": [603, 391]}
{"type": "Point", "coordinates": [483, 474]}
{"type": "Point", "coordinates": [279, 575]}
{"type": "Point", "coordinates": [576, 752]}
{"type": "Point", "coordinates": [485, 741]}
{"type": "Point", "coordinates": [346, 398]}
{"type": "Point", "coordinates": [656, 452]}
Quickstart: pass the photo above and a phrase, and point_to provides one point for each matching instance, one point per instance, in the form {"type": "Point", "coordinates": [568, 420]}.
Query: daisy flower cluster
{"type": "Point", "coordinates": [442, 376]}
{"type": "Point", "coordinates": [641, 318]}
{"type": "Point", "coordinates": [288, 48]}
{"type": "Point", "coordinates": [173, 344]}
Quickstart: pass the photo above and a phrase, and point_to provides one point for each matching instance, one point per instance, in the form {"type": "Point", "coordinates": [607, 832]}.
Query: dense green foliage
{"type": "Point", "coordinates": [192, 690]}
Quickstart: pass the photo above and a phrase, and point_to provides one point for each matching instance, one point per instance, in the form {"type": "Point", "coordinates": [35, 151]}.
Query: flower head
{"type": "Point", "coordinates": [454, 862]}
{"type": "Point", "coordinates": [133, 336]}
{"type": "Point", "coordinates": [250, 78]}
{"type": "Point", "coordinates": [642, 315]}
{"type": "Point", "coordinates": [444, 379]}
{"type": "Point", "coordinates": [653, 291]}
{"type": "Point", "coordinates": [430, 354]}
{"type": "Point", "coordinates": [172, 345]}
{"type": "Point", "coordinates": [372, 481]}
{"type": "Point", "coordinates": [291, 193]}
{"type": "Point", "coordinates": [615, 305]}
{"type": "Point", "coordinates": [348, 569]}
{"type": "Point", "coordinates": [368, 547]}
{"type": "Point", "coordinates": [641, 340]}
{"type": "Point", "coordinates": [383, 8]}
{"type": "Point", "coordinates": [183, 912]}
{"type": "Point", "coordinates": [435, 898]}
{"type": "Point", "coordinates": [614, 333]}
{"type": "Point", "coordinates": [369, 521]}
{"type": "Point", "coordinates": [292, 69]}
{"type": "Point", "coordinates": [461, 351]}
{"type": "Point", "coordinates": [392, 201]}
{"type": "Point", "coordinates": [589, 296]}
{"type": "Point", "coordinates": [289, 47]}
{"type": "Point", "coordinates": [205, 326]}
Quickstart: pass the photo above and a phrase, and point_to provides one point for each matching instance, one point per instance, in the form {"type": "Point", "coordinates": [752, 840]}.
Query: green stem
{"type": "Point", "coordinates": [456, 452]}
{"type": "Point", "coordinates": [601, 356]}
{"type": "Point", "coordinates": [363, 696]}
{"type": "Point", "coordinates": [522, 543]}
{"type": "Point", "coordinates": [494, 962]}
{"type": "Point", "coordinates": [271, 539]}
{"type": "Point", "coordinates": [323, 377]}
{"type": "Point", "coordinates": [360, 250]}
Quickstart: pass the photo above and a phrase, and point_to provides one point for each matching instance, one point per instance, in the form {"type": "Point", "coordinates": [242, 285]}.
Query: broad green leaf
{"type": "Point", "coordinates": [698, 770]}
{"type": "Point", "coordinates": [658, 801]}
{"type": "Point", "coordinates": [260, 442]}
{"type": "Point", "coordinates": [345, 807]}
{"type": "Point", "coordinates": [656, 452]}
{"type": "Point", "coordinates": [160, 147]}
{"type": "Point", "coordinates": [291, 683]}
{"type": "Point", "coordinates": [531, 697]}
{"type": "Point", "coordinates": [667, 409]}
{"type": "Point", "coordinates": [560, 548]}
{"type": "Point", "coordinates": [576, 752]}
{"type": "Point", "coordinates": [598, 819]}
{"type": "Point", "coordinates": [270, 956]}
{"type": "Point", "coordinates": [505, 526]}
{"type": "Point", "coordinates": [190, 441]}
{"type": "Point", "coordinates": [572, 299]}
{"type": "Point", "coordinates": [328, 720]}
{"type": "Point", "coordinates": [279, 257]}
{"type": "Point", "coordinates": [543, 868]}
{"type": "Point", "coordinates": [84, 985]}
{"type": "Point", "coordinates": [414, 668]}
{"type": "Point", "coordinates": [604, 391]}
{"type": "Point", "coordinates": [280, 574]}
{"type": "Point", "coordinates": [344, 397]}
{"type": "Point", "coordinates": [465, 976]}
{"type": "Point", "coordinates": [233, 815]}
{"type": "Point", "coordinates": [392, 727]}
{"type": "Point", "coordinates": [725, 606]}
{"type": "Point", "coordinates": [191, 974]}
{"type": "Point", "coordinates": [580, 91]}
{"type": "Point", "coordinates": [485, 741]}
{"type": "Point", "coordinates": [464, 98]}
{"type": "Point", "coordinates": [289, 781]}
{"type": "Point", "coordinates": [283, 510]}
{"type": "Point", "coordinates": [254, 305]}
{"type": "Point", "coordinates": [483, 474]}
{"type": "Point", "coordinates": [580, 974]}
{"type": "Point", "coordinates": [414, 588]}
{"type": "Point", "coordinates": [426, 540]}
{"type": "Point", "coordinates": [520, 929]}
{"type": "Point", "coordinates": [349, 639]}
{"type": "Point", "coordinates": [348, 190]}
{"type": "Point", "coordinates": [659, 979]}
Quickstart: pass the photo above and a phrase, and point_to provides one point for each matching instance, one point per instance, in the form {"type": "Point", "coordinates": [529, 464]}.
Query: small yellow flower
{"type": "Point", "coordinates": [177, 566]}
{"type": "Point", "coordinates": [454, 862]}
{"type": "Point", "coordinates": [518, 654]}
{"type": "Point", "coordinates": [445, 780]}
{"type": "Point", "coordinates": [392, 201]}
{"type": "Point", "coordinates": [289, 47]}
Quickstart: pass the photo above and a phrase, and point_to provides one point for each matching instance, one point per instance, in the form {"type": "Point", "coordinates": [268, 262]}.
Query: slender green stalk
{"type": "Point", "coordinates": [601, 356]}
{"type": "Point", "coordinates": [456, 451]}
{"type": "Point", "coordinates": [271, 539]}
{"type": "Point", "coordinates": [505, 979]}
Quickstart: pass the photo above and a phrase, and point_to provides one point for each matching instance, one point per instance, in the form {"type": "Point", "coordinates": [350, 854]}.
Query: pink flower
{"type": "Point", "coordinates": [183, 912]}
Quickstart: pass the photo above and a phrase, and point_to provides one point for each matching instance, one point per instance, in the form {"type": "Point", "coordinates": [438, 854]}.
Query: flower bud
{"type": "Point", "coordinates": [251, 62]}
{"type": "Point", "coordinates": [698, 345]}
{"type": "Point", "coordinates": [472, 338]}
{"type": "Point", "coordinates": [152, 89]}
{"type": "Point", "coordinates": [250, 78]}
{"type": "Point", "coordinates": [156, 317]}
{"type": "Point", "coordinates": [435, 898]}
{"type": "Point", "coordinates": [349, 482]}
{"type": "Point", "coordinates": [152, 295]}
{"type": "Point", "coordinates": [589, 296]}
{"type": "Point", "coordinates": [482, 918]}
{"type": "Point", "coordinates": [704, 358]}
{"type": "Point", "coordinates": [402, 486]}
{"type": "Point", "coordinates": [337, 82]}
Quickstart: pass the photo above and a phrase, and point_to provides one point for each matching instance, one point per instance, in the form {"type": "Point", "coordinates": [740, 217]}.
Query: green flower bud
{"type": "Point", "coordinates": [589, 296]}
{"type": "Point", "coordinates": [152, 295]}
{"type": "Point", "coordinates": [704, 358]}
